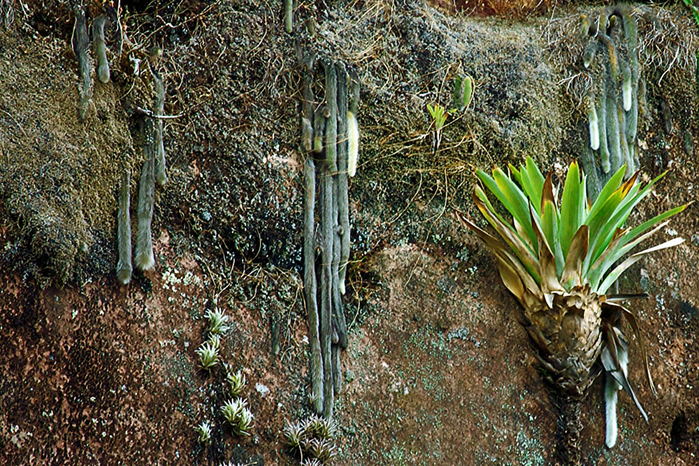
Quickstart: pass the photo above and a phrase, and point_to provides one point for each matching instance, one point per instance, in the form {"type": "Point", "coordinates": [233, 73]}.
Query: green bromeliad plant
{"type": "Point", "coordinates": [560, 262]}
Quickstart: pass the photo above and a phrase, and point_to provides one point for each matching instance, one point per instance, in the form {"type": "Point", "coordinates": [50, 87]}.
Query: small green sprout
{"type": "Point", "coordinates": [322, 449]}
{"type": "Point", "coordinates": [215, 340]}
{"type": "Point", "coordinates": [208, 354]}
{"type": "Point", "coordinates": [439, 117]}
{"type": "Point", "coordinates": [238, 415]}
{"type": "Point", "coordinates": [236, 382]}
{"type": "Point", "coordinates": [312, 437]}
{"type": "Point", "coordinates": [232, 409]}
{"type": "Point", "coordinates": [217, 321]}
{"type": "Point", "coordinates": [311, 462]}
{"type": "Point", "coordinates": [294, 434]}
{"type": "Point", "coordinates": [244, 422]}
{"type": "Point", "coordinates": [204, 431]}
{"type": "Point", "coordinates": [319, 427]}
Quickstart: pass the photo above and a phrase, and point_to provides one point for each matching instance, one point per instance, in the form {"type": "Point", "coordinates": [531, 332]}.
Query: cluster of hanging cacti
{"type": "Point", "coordinates": [81, 47]}
{"type": "Point", "coordinates": [612, 102]}
{"type": "Point", "coordinates": [153, 149]}
{"type": "Point", "coordinates": [153, 170]}
{"type": "Point", "coordinates": [329, 136]}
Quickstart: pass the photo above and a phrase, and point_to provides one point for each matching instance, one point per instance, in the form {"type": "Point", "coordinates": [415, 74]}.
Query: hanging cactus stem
{"type": "Point", "coordinates": [100, 47]}
{"type": "Point", "coordinates": [331, 121]}
{"type": "Point", "coordinates": [146, 199]}
{"type": "Point", "coordinates": [593, 122]}
{"type": "Point", "coordinates": [124, 266]}
{"type": "Point", "coordinates": [159, 147]}
{"type": "Point", "coordinates": [81, 47]}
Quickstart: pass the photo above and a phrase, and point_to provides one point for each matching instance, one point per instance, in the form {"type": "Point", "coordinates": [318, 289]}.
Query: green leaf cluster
{"type": "Point", "coordinates": [463, 92]}
{"type": "Point", "coordinates": [572, 244]}
{"type": "Point", "coordinates": [439, 115]}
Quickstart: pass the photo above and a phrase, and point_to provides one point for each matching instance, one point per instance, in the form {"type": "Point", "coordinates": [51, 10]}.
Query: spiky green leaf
{"type": "Point", "coordinates": [529, 290]}
{"type": "Point", "coordinates": [599, 218]}
{"type": "Point", "coordinates": [541, 235]}
{"type": "Point", "coordinates": [611, 186]}
{"type": "Point", "coordinates": [512, 198]}
{"type": "Point", "coordinates": [536, 179]}
{"type": "Point", "coordinates": [531, 180]}
{"type": "Point", "coordinates": [480, 194]}
{"type": "Point", "coordinates": [572, 270]}
{"type": "Point", "coordinates": [572, 206]}
{"type": "Point", "coordinates": [550, 220]}
{"type": "Point", "coordinates": [547, 262]}
{"type": "Point", "coordinates": [526, 256]}
{"type": "Point", "coordinates": [615, 251]}
{"type": "Point", "coordinates": [602, 239]}
{"type": "Point", "coordinates": [621, 268]}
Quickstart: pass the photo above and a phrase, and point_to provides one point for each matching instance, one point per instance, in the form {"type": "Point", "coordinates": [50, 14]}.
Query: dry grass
{"type": "Point", "coordinates": [667, 39]}
{"type": "Point", "coordinates": [504, 8]}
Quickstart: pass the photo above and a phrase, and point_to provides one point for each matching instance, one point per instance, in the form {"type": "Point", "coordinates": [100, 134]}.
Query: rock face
{"type": "Point", "coordinates": [438, 371]}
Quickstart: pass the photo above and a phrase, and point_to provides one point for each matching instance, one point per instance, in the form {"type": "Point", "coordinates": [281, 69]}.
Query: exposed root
{"type": "Point", "coordinates": [570, 427]}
